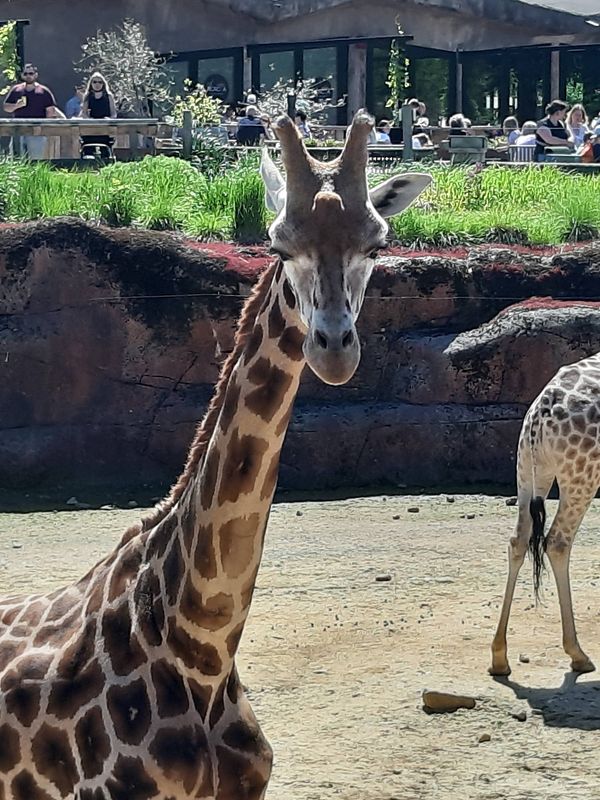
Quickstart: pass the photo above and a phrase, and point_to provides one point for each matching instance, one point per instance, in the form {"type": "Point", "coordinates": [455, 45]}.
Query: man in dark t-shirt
{"type": "Point", "coordinates": [31, 100]}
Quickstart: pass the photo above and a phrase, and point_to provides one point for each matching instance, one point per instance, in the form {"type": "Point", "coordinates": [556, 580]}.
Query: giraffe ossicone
{"type": "Point", "coordinates": [560, 440]}
{"type": "Point", "coordinates": [123, 686]}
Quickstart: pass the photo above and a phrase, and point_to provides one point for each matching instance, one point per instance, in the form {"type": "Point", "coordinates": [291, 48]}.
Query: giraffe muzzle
{"type": "Point", "coordinates": [333, 355]}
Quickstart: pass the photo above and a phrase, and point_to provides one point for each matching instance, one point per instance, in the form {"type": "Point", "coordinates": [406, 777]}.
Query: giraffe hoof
{"type": "Point", "coordinates": [500, 671]}
{"type": "Point", "coordinates": [585, 665]}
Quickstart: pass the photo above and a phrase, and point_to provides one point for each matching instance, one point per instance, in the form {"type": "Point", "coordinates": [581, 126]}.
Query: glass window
{"type": "Point", "coordinates": [320, 63]}
{"type": "Point", "coordinates": [276, 66]}
{"type": "Point", "coordinates": [216, 75]}
{"type": "Point", "coordinates": [430, 76]}
{"type": "Point", "coordinates": [380, 61]}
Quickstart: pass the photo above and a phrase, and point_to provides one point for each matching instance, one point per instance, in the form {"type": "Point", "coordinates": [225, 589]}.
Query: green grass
{"type": "Point", "coordinates": [527, 206]}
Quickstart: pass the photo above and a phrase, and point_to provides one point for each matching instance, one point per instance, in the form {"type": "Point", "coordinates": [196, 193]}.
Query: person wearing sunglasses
{"type": "Point", "coordinates": [98, 103]}
{"type": "Point", "coordinates": [31, 100]}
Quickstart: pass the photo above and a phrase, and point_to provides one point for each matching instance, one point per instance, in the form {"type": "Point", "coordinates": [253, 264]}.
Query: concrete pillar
{"type": "Point", "coordinates": [357, 78]}
{"type": "Point", "coordinates": [554, 74]}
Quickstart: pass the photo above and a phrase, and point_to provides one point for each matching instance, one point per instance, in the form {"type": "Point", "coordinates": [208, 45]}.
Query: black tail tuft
{"type": "Point", "coordinates": [537, 543]}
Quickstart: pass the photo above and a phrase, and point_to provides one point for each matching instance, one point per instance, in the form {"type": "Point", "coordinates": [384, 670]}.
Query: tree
{"type": "Point", "coordinates": [8, 56]}
{"type": "Point", "coordinates": [136, 75]}
{"type": "Point", "coordinates": [314, 96]}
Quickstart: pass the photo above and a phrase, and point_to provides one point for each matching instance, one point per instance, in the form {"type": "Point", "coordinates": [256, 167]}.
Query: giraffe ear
{"type": "Point", "coordinates": [274, 183]}
{"type": "Point", "coordinates": [398, 192]}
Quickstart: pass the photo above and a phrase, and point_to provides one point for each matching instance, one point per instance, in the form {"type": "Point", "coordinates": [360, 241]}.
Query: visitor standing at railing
{"type": "Point", "coordinates": [98, 103]}
{"type": "Point", "coordinates": [31, 100]}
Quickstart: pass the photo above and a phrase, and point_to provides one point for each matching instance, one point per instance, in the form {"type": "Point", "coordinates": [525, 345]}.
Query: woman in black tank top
{"type": "Point", "coordinates": [551, 131]}
{"type": "Point", "coordinates": [98, 103]}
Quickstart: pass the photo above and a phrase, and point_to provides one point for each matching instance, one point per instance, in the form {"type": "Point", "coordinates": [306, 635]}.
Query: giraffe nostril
{"type": "Point", "coordinates": [321, 339]}
{"type": "Point", "coordinates": [347, 339]}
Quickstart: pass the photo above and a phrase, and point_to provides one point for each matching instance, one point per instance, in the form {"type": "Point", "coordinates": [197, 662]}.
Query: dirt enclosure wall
{"type": "Point", "coordinates": [111, 340]}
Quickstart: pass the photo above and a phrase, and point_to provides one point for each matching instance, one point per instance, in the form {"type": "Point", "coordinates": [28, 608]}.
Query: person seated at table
{"type": "Point", "coordinates": [589, 151]}
{"type": "Point", "coordinates": [98, 103]}
{"type": "Point", "coordinates": [250, 127]}
{"type": "Point", "coordinates": [577, 124]}
{"type": "Point", "coordinates": [510, 128]}
{"type": "Point", "coordinates": [383, 132]}
{"type": "Point", "coordinates": [551, 131]}
{"type": "Point", "coordinates": [459, 125]}
{"type": "Point", "coordinates": [527, 136]}
{"type": "Point", "coordinates": [421, 140]}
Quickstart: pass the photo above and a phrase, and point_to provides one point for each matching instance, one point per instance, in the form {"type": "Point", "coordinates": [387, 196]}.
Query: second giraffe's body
{"type": "Point", "coordinates": [123, 686]}
{"type": "Point", "coordinates": [560, 439]}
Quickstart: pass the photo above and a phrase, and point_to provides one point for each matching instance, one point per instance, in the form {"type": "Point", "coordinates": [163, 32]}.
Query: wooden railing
{"type": "Point", "coordinates": [63, 135]}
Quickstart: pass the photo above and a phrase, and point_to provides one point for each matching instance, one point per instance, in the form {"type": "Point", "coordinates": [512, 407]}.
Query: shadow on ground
{"type": "Point", "coordinates": [570, 705]}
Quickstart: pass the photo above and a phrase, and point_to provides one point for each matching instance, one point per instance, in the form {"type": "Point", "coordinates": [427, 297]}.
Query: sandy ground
{"type": "Point", "coordinates": [335, 661]}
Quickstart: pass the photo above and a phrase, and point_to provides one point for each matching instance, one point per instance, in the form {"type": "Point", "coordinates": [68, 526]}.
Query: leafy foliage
{"type": "Point", "coordinates": [205, 110]}
{"type": "Point", "coordinates": [8, 56]}
{"type": "Point", "coordinates": [136, 76]}
{"type": "Point", "coordinates": [310, 96]}
{"type": "Point", "coordinates": [536, 206]}
{"type": "Point", "coordinates": [397, 78]}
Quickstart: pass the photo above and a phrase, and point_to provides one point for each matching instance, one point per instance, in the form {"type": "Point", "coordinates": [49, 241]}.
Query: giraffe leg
{"type": "Point", "coordinates": [571, 510]}
{"type": "Point", "coordinates": [517, 549]}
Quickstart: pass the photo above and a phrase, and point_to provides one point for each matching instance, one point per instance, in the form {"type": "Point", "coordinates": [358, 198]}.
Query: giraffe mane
{"type": "Point", "coordinates": [207, 426]}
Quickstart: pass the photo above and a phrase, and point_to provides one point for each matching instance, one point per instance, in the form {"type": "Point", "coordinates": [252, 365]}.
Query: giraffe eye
{"type": "Point", "coordinates": [280, 253]}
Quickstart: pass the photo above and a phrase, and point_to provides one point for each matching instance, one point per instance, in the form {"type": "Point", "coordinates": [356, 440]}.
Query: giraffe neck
{"type": "Point", "coordinates": [203, 557]}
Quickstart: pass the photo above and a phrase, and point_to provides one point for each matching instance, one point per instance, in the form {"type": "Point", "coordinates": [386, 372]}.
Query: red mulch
{"type": "Point", "coordinates": [537, 303]}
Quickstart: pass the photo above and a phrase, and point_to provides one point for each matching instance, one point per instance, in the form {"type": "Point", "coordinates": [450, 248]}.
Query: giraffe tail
{"type": "Point", "coordinates": [537, 542]}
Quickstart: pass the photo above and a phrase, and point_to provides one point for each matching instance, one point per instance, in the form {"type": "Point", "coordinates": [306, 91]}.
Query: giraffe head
{"type": "Point", "coordinates": [328, 231]}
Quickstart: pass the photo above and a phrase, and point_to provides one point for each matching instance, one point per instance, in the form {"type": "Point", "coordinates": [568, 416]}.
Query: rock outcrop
{"type": "Point", "coordinates": [111, 340]}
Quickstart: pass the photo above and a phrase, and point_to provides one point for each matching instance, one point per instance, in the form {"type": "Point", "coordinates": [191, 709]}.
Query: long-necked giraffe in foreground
{"type": "Point", "coordinates": [560, 439]}
{"type": "Point", "coordinates": [123, 686]}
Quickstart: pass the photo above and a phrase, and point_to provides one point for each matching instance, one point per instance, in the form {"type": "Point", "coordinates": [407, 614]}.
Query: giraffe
{"type": "Point", "coordinates": [560, 439]}
{"type": "Point", "coordinates": [123, 686]}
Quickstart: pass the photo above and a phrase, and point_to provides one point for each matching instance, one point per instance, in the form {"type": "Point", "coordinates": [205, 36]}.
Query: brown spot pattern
{"type": "Point", "coordinates": [211, 614]}
{"type": "Point", "coordinates": [204, 559]}
{"type": "Point", "coordinates": [173, 571]}
{"type": "Point", "coordinates": [124, 571]}
{"type": "Point", "coordinates": [291, 343]}
{"type": "Point", "coordinates": [253, 344]}
{"type": "Point", "coordinates": [24, 702]}
{"type": "Point", "coordinates": [238, 779]}
{"type": "Point", "coordinates": [230, 405]}
{"type": "Point", "coordinates": [238, 539]}
{"type": "Point", "coordinates": [171, 696]}
{"type": "Point", "coordinates": [276, 320]}
{"type": "Point", "coordinates": [208, 480]}
{"type": "Point", "coordinates": [24, 787]}
{"type": "Point", "coordinates": [129, 709]}
{"type": "Point", "coordinates": [149, 608]}
{"type": "Point", "coordinates": [10, 750]}
{"type": "Point", "coordinates": [92, 742]}
{"type": "Point", "coordinates": [194, 654]}
{"type": "Point", "coordinates": [53, 758]}
{"type": "Point", "coordinates": [242, 464]}
{"type": "Point", "coordinates": [273, 384]}
{"type": "Point", "coordinates": [271, 477]}
{"type": "Point", "coordinates": [77, 655]}
{"type": "Point", "coordinates": [68, 696]}
{"type": "Point", "coordinates": [233, 639]}
{"type": "Point", "coordinates": [181, 753]}
{"type": "Point", "coordinates": [119, 642]}
{"type": "Point", "coordinates": [200, 696]}
{"type": "Point", "coordinates": [130, 781]}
